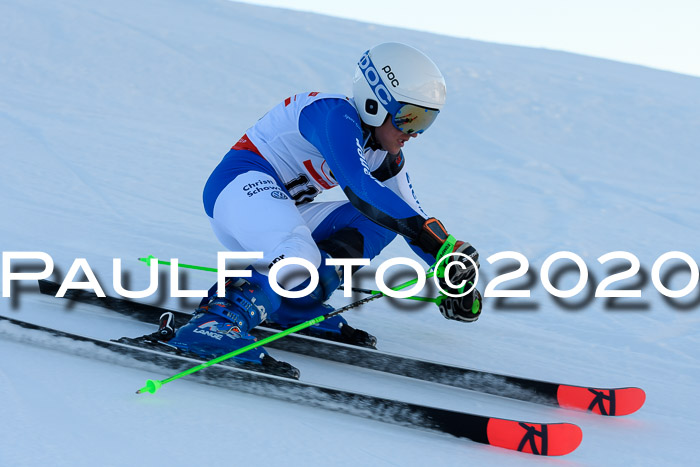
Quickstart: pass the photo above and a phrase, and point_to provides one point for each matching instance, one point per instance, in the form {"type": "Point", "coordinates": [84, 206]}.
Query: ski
{"type": "Point", "coordinates": [546, 439]}
{"type": "Point", "coordinates": [267, 364]}
{"type": "Point", "coordinates": [603, 401]}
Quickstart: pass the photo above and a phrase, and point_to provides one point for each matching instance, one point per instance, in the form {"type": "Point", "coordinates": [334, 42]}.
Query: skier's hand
{"type": "Point", "coordinates": [431, 236]}
{"type": "Point", "coordinates": [466, 309]}
{"type": "Point", "coordinates": [462, 270]}
{"type": "Point", "coordinates": [431, 239]}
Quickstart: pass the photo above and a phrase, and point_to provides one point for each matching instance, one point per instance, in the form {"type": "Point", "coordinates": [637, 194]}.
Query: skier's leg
{"type": "Point", "coordinates": [222, 324]}
{"type": "Point", "coordinates": [340, 231]}
{"type": "Point", "coordinates": [252, 213]}
{"type": "Point", "coordinates": [344, 232]}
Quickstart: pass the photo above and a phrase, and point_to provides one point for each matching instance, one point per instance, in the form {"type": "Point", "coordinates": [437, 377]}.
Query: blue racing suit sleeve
{"type": "Point", "coordinates": [427, 257]}
{"type": "Point", "coordinates": [333, 127]}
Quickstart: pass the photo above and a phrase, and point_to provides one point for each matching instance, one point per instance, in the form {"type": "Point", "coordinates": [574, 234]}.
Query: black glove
{"type": "Point", "coordinates": [466, 309]}
{"type": "Point", "coordinates": [432, 237]}
{"type": "Point", "coordinates": [465, 271]}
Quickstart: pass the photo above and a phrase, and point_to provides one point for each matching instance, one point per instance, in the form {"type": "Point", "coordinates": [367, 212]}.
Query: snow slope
{"type": "Point", "coordinates": [113, 114]}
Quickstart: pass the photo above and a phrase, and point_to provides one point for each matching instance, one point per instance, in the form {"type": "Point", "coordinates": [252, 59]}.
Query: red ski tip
{"type": "Point", "coordinates": [555, 439]}
{"type": "Point", "coordinates": [621, 401]}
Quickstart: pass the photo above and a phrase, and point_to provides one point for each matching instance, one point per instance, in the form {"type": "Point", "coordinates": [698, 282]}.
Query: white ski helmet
{"type": "Point", "coordinates": [407, 84]}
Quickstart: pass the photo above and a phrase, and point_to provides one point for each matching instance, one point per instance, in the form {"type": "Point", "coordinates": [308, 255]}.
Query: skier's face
{"type": "Point", "coordinates": [390, 138]}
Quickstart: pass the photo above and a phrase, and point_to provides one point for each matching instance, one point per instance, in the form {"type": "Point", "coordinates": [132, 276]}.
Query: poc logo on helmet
{"type": "Point", "coordinates": [374, 81]}
{"type": "Point", "coordinates": [390, 76]}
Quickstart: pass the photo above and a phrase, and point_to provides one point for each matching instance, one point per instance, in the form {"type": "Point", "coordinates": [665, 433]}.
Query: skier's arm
{"type": "Point", "coordinates": [393, 173]}
{"type": "Point", "coordinates": [333, 127]}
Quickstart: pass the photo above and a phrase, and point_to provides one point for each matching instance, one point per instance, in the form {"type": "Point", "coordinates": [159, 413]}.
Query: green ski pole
{"type": "Point", "coordinates": [153, 385]}
{"type": "Point", "coordinates": [150, 258]}
{"type": "Point", "coordinates": [404, 285]}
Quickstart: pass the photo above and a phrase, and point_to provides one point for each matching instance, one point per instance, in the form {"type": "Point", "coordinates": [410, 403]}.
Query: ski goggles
{"type": "Point", "coordinates": [411, 118]}
{"type": "Point", "coordinates": [407, 118]}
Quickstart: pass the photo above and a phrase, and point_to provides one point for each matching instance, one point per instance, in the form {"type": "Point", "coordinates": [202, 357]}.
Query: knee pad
{"type": "Point", "coordinates": [359, 237]}
{"type": "Point", "coordinates": [347, 242]}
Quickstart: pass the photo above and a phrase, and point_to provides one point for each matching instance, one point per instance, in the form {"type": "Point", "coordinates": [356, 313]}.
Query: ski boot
{"type": "Point", "coordinates": [221, 326]}
{"type": "Point", "coordinates": [166, 327]}
{"type": "Point", "coordinates": [293, 311]}
{"type": "Point", "coordinates": [335, 328]}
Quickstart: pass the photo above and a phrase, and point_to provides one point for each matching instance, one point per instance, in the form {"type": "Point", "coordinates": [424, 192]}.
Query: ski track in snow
{"type": "Point", "coordinates": [113, 114]}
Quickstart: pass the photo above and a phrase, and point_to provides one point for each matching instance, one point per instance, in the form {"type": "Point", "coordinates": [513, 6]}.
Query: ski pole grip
{"type": "Point", "coordinates": [446, 248]}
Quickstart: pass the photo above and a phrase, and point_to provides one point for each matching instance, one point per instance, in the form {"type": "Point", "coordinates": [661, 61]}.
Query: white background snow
{"type": "Point", "coordinates": [113, 114]}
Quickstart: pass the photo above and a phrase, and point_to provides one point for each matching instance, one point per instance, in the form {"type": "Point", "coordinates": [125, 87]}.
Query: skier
{"type": "Point", "coordinates": [259, 198]}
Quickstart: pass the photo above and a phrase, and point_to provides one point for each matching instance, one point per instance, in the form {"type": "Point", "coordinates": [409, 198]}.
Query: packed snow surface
{"type": "Point", "coordinates": [113, 114]}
